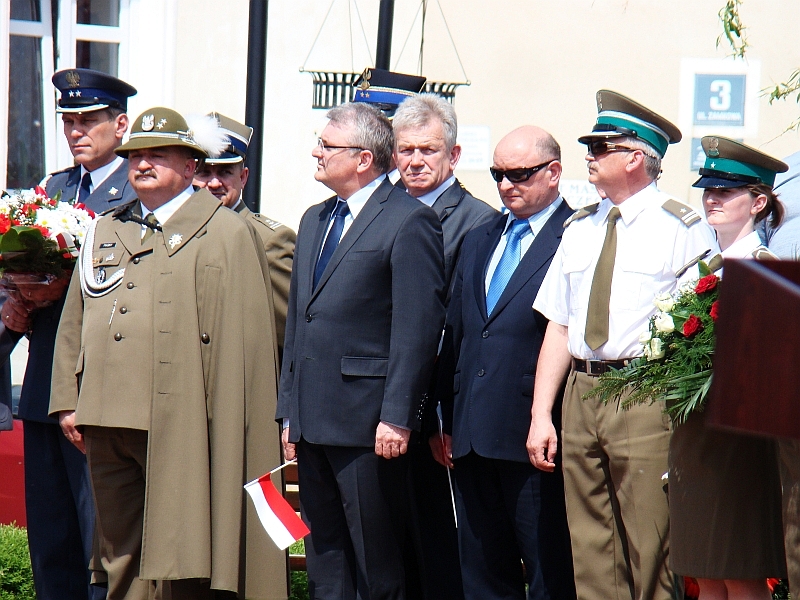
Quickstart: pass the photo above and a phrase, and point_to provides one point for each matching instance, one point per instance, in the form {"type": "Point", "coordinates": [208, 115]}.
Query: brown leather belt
{"type": "Point", "coordinates": [598, 367]}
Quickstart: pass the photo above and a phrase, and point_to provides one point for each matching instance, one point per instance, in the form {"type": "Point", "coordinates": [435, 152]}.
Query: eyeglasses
{"type": "Point", "coordinates": [517, 175]}
{"type": "Point", "coordinates": [323, 146]}
{"type": "Point", "coordinates": [599, 147]}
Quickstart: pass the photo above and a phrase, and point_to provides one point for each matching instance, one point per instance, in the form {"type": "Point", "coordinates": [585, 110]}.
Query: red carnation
{"type": "Point", "coordinates": [82, 206]}
{"type": "Point", "coordinates": [706, 284]}
{"type": "Point", "coordinates": [45, 231]}
{"type": "Point", "coordinates": [5, 223]}
{"type": "Point", "coordinates": [692, 326]}
{"type": "Point", "coordinates": [692, 590]}
{"type": "Point", "coordinates": [714, 312]}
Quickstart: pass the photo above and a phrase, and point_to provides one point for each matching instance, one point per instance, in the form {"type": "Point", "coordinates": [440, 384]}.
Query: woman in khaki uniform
{"type": "Point", "coordinates": [724, 487]}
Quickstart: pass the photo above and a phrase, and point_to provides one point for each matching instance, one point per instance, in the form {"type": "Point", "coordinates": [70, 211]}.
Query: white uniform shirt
{"type": "Point", "coordinates": [99, 175]}
{"type": "Point", "coordinates": [652, 245]}
{"type": "Point", "coordinates": [743, 248]}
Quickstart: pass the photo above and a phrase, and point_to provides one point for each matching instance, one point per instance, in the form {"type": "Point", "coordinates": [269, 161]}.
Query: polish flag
{"type": "Point", "coordinates": [276, 515]}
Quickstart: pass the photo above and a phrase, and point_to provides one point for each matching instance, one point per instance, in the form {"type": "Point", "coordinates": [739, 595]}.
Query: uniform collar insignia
{"type": "Point", "coordinates": [113, 190]}
{"type": "Point", "coordinates": [174, 240]}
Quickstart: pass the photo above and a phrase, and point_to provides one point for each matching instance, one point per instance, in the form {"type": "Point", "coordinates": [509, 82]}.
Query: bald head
{"type": "Point", "coordinates": [528, 147]}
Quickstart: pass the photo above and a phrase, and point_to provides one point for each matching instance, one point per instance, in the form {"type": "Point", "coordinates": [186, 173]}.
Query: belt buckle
{"type": "Point", "coordinates": [592, 365]}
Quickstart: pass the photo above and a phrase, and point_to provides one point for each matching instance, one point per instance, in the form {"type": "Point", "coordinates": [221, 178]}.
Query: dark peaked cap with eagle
{"type": "Point", "coordinates": [85, 90]}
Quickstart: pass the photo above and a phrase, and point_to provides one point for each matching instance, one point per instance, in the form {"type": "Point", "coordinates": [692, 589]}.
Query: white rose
{"type": "Point", "coordinates": [656, 349]}
{"type": "Point", "coordinates": [664, 302]}
{"type": "Point", "coordinates": [645, 337]}
{"type": "Point", "coordinates": [664, 323]}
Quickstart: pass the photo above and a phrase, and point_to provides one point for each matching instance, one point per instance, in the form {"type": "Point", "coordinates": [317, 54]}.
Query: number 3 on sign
{"type": "Point", "coordinates": [721, 95]}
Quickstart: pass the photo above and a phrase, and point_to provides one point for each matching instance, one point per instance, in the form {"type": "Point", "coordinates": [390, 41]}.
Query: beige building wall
{"type": "Point", "coordinates": [529, 61]}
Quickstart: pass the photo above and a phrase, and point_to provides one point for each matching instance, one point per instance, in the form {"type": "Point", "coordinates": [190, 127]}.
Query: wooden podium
{"type": "Point", "coordinates": [756, 385]}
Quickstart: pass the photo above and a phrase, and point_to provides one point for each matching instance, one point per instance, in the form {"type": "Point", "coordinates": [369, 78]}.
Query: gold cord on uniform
{"type": "Point", "coordinates": [596, 333]}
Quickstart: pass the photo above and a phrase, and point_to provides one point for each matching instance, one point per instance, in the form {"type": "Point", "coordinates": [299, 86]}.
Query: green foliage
{"type": "Point", "coordinates": [16, 577]}
{"type": "Point", "coordinates": [733, 28]}
{"type": "Point", "coordinates": [299, 579]}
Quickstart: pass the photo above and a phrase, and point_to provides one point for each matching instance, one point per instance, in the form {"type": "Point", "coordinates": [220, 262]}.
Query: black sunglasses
{"type": "Point", "coordinates": [599, 147]}
{"type": "Point", "coordinates": [517, 175]}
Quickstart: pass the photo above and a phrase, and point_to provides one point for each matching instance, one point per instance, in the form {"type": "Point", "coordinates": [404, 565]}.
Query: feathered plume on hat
{"type": "Point", "coordinates": [207, 134]}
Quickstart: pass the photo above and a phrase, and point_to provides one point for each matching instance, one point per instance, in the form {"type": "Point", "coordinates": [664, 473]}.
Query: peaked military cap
{"type": "Point", "coordinates": [158, 127]}
{"type": "Point", "coordinates": [85, 90]}
{"type": "Point", "coordinates": [731, 164]}
{"type": "Point", "coordinates": [238, 136]}
{"type": "Point", "coordinates": [386, 90]}
{"type": "Point", "coordinates": [618, 115]}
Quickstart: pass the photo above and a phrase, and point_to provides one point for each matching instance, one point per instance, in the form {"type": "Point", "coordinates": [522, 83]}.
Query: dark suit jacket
{"type": "Point", "coordinates": [459, 212]}
{"type": "Point", "coordinates": [486, 398]}
{"type": "Point", "coordinates": [359, 349]}
{"type": "Point", "coordinates": [34, 400]}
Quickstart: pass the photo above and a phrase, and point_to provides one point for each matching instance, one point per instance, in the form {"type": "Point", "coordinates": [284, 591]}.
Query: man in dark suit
{"type": "Point", "coordinates": [58, 495]}
{"type": "Point", "coordinates": [365, 312]}
{"type": "Point", "coordinates": [508, 511]}
{"type": "Point", "coordinates": [426, 154]}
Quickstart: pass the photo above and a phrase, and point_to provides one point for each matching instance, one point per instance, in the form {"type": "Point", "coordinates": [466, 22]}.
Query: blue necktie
{"type": "Point", "coordinates": [508, 262]}
{"type": "Point", "coordinates": [86, 183]}
{"type": "Point", "coordinates": [339, 214]}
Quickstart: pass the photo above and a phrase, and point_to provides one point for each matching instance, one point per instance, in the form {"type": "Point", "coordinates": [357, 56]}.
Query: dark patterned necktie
{"type": "Point", "coordinates": [84, 191]}
{"type": "Point", "coordinates": [332, 241]}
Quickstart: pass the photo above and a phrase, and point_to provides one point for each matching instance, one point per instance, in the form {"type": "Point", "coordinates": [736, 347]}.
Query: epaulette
{"type": "Point", "coordinates": [683, 211]}
{"type": "Point", "coordinates": [272, 224]}
{"type": "Point", "coordinates": [763, 253]}
{"type": "Point", "coordinates": [693, 262]}
{"type": "Point", "coordinates": [581, 213]}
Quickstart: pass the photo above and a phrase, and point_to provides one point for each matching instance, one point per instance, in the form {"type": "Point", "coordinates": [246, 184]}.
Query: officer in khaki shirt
{"type": "Point", "coordinates": [165, 372]}
{"type": "Point", "coordinates": [225, 176]}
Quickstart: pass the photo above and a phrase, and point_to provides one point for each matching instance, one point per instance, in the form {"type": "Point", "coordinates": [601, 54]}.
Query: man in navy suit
{"type": "Point", "coordinates": [365, 315]}
{"type": "Point", "coordinates": [508, 511]}
{"type": "Point", "coordinates": [58, 496]}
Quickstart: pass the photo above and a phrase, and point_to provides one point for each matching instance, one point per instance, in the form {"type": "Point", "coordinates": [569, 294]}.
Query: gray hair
{"type": "Point", "coordinates": [373, 131]}
{"type": "Point", "coordinates": [548, 146]}
{"type": "Point", "coordinates": [418, 111]}
{"type": "Point", "coordinates": [652, 159]}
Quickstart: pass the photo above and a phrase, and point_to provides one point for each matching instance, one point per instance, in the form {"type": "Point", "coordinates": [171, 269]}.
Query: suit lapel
{"type": "Point", "coordinates": [319, 237]}
{"type": "Point", "coordinates": [541, 251]}
{"type": "Point", "coordinates": [371, 209]}
{"type": "Point", "coordinates": [447, 202]}
{"type": "Point", "coordinates": [483, 256]}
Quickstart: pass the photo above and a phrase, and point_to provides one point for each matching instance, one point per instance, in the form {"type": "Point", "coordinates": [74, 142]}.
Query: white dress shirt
{"type": "Point", "coordinates": [536, 223]}
{"type": "Point", "coordinates": [355, 202]}
{"type": "Point", "coordinates": [431, 197]}
{"type": "Point", "coordinates": [652, 245]}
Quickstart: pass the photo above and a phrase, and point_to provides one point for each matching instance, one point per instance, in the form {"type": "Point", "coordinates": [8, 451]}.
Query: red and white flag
{"type": "Point", "coordinates": [276, 515]}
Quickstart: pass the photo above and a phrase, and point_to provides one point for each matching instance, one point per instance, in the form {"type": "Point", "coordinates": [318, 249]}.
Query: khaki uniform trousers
{"type": "Point", "coordinates": [117, 459]}
{"type": "Point", "coordinates": [790, 480]}
{"type": "Point", "coordinates": [616, 501]}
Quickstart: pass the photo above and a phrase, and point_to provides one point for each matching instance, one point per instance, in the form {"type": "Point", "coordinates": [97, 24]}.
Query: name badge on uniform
{"type": "Point", "coordinates": [108, 245]}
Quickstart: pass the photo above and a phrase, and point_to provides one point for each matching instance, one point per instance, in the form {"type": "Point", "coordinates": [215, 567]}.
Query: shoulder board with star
{"type": "Point", "coordinates": [763, 253]}
{"type": "Point", "coordinates": [272, 224]}
{"type": "Point", "coordinates": [581, 213]}
{"type": "Point", "coordinates": [684, 212]}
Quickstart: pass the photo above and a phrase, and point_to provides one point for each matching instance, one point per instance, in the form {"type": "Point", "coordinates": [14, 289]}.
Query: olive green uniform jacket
{"type": "Point", "coordinates": [279, 242]}
{"type": "Point", "coordinates": [183, 347]}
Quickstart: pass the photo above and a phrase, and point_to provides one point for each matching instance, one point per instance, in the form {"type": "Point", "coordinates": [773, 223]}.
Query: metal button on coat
{"type": "Point", "coordinates": [117, 336]}
{"type": "Point", "coordinates": [481, 373]}
{"type": "Point", "coordinates": [308, 319]}
{"type": "Point", "coordinates": [485, 334]}
{"type": "Point", "coordinates": [130, 285]}
{"type": "Point", "coordinates": [123, 310]}
{"type": "Point", "coordinates": [205, 338]}
{"type": "Point", "coordinates": [136, 260]}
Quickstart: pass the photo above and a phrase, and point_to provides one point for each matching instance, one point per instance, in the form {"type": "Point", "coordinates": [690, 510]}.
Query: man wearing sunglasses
{"type": "Point", "coordinates": [615, 257]}
{"type": "Point", "coordinates": [426, 154]}
{"type": "Point", "coordinates": [508, 511]}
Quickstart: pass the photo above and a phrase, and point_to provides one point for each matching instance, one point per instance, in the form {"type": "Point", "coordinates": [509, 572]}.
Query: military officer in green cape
{"type": "Point", "coordinates": [165, 372]}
